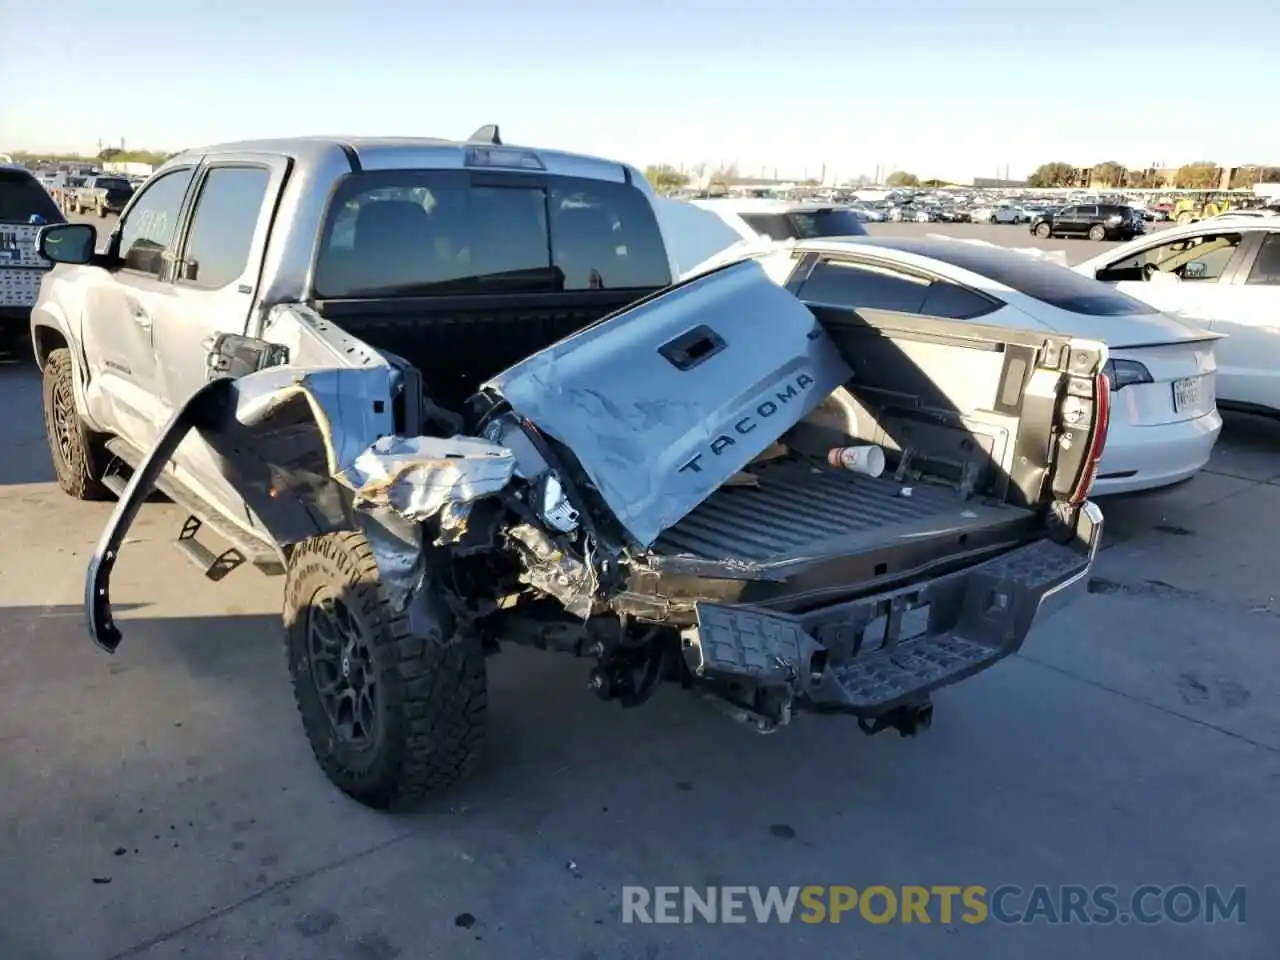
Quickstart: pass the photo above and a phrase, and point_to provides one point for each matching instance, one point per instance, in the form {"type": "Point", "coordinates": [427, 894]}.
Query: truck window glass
{"type": "Point", "coordinates": [1266, 269]}
{"type": "Point", "coordinates": [421, 232]}
{"type": "Point", "coordinates": [22, 197]}
{"type": "Point", "coordinates": [148, 230]}
{"type": "Point", "coordinates": [226, 217]}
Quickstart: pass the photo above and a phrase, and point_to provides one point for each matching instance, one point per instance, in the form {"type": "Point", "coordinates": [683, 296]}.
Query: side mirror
{"type": "Point", "coordinates": [73, 243]}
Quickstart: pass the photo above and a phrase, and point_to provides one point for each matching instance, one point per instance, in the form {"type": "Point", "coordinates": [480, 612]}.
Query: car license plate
{"type": "Point", "coordinates": [1187, 393]}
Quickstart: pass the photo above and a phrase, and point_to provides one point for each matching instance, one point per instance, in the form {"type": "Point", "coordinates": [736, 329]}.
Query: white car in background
{"type": "Point", "coordinates": [1001, 213]}
{"type": "Point", "coordinates": [1222, 275]}
{"type": "Point", "coordinates": [1164, 420]}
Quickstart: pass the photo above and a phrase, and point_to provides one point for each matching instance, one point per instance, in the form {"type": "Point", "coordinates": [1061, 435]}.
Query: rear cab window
{"type": "Point", "coordinates": [439, 232]}
{"type": "Point", "coordinates": [22, 197]}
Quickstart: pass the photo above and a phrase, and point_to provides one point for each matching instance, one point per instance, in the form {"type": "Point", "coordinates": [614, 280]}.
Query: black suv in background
{"type": "Point", "coordinates": [1097, 221]}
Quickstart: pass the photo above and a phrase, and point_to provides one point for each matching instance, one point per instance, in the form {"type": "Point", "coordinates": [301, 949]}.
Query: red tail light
{"type": "Point", "coordinates": [1097, 439]}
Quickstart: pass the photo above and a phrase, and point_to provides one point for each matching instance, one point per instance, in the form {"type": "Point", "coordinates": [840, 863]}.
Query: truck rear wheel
{"type": "Point", "coordinates": [75, 453]}
{"type": "Point", "coordinates": [391, 716]}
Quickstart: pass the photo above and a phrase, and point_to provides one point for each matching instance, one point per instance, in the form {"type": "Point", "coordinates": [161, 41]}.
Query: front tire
{"type": "Point", "coordinates": [74, 450]}
{"type": "Point", "coordinates": [1097, 232]}
{"type": "Point", "coordinates": [1044, 231]}
{"type": "Point", "coordinates": [391, 716]}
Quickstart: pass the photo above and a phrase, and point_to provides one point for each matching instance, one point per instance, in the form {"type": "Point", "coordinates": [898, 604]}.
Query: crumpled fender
{"type": "Point", "coordinates": [313, 452]}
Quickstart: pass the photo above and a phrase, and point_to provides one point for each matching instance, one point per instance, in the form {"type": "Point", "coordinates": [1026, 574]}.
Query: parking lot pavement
{"type": "Point", "coordinates": [162, 803]}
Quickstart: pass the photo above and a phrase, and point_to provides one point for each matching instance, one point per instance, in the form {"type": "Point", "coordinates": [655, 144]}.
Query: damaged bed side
{"type": "Point", "coordinates": [314, 450]}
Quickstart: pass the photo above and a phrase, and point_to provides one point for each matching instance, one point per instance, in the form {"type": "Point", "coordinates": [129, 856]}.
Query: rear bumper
{"type": "Point", "coordinates": [874, 655]}
{"type": "Point", "coordinates": [1146, 458]}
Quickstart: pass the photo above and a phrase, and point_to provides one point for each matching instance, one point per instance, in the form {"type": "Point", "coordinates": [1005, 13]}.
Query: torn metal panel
{"type": "Point", "coordinates": [550, 571]}
{"type": "Point", "coordinates": [421, 477]}
{"type": "Point", "coordinates": [665, 401]}
{"type": "Point", "coordinates": [425, 477]}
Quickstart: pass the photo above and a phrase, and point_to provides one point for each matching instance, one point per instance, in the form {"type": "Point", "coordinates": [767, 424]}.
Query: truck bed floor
{"type": "Point", "coordinates": [800, 508]}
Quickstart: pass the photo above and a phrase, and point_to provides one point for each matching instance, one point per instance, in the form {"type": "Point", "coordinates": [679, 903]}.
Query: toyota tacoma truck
{"type": "Point", "coordinates": [99, 195]}
{"type": "Point", "coordinates": [449, 391]}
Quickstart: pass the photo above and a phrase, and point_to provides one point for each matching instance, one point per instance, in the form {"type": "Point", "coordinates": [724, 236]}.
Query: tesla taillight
{"type": "Point", "coordinates": [1097, 438]}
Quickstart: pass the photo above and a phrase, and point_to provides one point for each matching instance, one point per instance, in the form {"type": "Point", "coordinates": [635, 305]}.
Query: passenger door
{"type": "Point", "coordinates": [1064, 221]}
{"type": "Point", "coordinates": [216, 276]}
{"type": "Point", "coordinates": [1191, 277]}
{"type": "Point", "coordinates": [1248, 312]}
{"type": "Point", "coordinates": [120, 307]}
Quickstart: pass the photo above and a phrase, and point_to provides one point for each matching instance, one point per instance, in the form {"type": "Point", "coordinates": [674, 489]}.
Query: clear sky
{"type": "Point", "coordinates": [939, 88]}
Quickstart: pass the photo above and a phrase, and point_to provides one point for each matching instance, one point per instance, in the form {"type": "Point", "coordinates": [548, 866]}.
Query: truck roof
{"type": "Point", "coordinates": [396, 153]}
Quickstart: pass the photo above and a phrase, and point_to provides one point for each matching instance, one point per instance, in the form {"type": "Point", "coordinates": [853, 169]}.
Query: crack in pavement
{"type": "Point", "coordinates": [1150, 704]}
{"type": "Point", "coordinates": [285, 884]}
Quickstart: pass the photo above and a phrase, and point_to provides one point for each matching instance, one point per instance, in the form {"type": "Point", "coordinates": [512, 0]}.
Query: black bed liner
{"type": "Point", "coordinates": [804, 511]}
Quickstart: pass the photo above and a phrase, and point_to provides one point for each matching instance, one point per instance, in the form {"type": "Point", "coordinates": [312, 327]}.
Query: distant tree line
{"type": "Point", "coordinates": [1200, 175]}
{"type": "Point", "coordinates": [106, 155]}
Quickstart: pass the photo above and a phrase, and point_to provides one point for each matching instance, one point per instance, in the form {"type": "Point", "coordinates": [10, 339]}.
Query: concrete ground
{"type": "Point", "coordinates": [162, 803]}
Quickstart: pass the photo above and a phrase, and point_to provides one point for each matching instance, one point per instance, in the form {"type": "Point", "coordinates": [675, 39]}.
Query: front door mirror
{"type": "Point", "coordinates": [68, 242]}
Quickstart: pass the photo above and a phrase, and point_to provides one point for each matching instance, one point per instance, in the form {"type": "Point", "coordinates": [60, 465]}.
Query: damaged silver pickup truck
{"type": "Point", "coordinates": [450, 392]}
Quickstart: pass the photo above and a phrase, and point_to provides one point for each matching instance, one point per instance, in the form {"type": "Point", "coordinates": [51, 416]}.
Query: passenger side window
{"type": "Point", "coordinates": [1266, 269]}
{"type": "Point", "coordinates": [1201, 258]}
{"type": "Point", "coordinates": [845, 284]}
{"type": "Point", "coordinates": [148, 231]}
{"type": "Point", "coordinates": [226, 218]}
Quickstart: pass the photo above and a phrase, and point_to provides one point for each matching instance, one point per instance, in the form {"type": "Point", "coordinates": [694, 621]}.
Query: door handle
{"type": "Point", "coordinates": [142, 319]}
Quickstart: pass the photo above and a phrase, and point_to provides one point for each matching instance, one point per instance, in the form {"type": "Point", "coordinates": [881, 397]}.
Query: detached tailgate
{"type": "Point", "coordinates": [667, 399]}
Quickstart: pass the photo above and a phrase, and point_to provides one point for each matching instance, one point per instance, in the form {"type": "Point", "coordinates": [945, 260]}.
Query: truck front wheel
{"type": "Point", "coordinates": [391, 716]}
{"type": "Point", "coordinates": [75, 451]}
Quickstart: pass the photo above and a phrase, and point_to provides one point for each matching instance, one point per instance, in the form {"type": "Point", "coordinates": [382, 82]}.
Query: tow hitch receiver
{"type": "Point", "coordinates": [908, 720]}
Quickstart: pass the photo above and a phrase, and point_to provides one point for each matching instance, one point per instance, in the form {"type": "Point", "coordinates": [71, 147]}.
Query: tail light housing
{"type": "Point", "coordinates": [1097, 439]}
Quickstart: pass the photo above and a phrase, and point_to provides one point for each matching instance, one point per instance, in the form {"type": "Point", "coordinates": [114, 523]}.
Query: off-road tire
{"type": "Point", "coordinates": [76, 453]}
{"type": "Point", "coordinates": [1097, 232]}
{"type": "Point", "coordinates": [1044, 231]}
{"type": "Point", "coordinates": [432, 693]}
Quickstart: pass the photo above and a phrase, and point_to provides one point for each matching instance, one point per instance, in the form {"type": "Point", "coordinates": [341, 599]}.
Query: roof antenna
{"type": "Point", "coordinates": [486, 134]}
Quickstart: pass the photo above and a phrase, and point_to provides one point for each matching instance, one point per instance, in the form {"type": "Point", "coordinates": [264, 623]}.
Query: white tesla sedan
{"type": "Point", "coordinates": [1164, 418]}
{"type": "Point", "coordinates": [1223, 275]}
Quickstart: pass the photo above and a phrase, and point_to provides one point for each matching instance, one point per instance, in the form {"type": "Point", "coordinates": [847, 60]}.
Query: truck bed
{"type": "Point", "coordinates": [803, 511]}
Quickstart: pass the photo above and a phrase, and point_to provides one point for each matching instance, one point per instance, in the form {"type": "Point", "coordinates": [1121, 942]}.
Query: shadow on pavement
{"type": "Point", "coordinates": [26, 455]}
